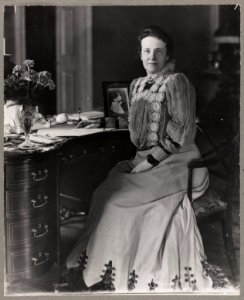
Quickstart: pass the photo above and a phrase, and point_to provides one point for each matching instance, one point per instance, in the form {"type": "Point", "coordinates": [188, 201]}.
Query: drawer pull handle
{"type": "Point", "coordinates": [39, 175]}
{"type": "Point", "coordinates": [39, 261]}
{"type": "Point", "coordinates": [35, 205]}
{"type": "Point", "coordinates": [35, 231]}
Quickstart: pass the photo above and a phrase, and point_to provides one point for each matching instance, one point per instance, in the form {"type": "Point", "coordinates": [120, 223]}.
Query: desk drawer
{"type": "Point", "coordinates": [30, 231]}
{"type": "Point", "coordinates": [30, 201]}
{"type": "Point", "coordinates": [31, 260]}
{"type": "Point", "coordinates": [74, 153]}
{"type": "Point", "coordinates": [30, 175]}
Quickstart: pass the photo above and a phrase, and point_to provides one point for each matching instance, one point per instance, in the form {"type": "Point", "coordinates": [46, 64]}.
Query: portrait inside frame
{"type": "Point", "coordinates": [116, 98]}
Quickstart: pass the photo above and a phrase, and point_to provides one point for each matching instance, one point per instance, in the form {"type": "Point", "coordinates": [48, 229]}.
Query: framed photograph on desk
{"type": "Point", "coordinates": [116, 98]}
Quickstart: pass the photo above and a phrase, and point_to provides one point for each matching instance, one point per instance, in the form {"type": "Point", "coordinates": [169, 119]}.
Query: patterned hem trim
{"type": "Point", "coordinates": [176, 283]}
{"type": "Point", "coordinates": [132, 280]}
{"type": "Point", "coordinates": [189, 277]}
{"type": "Point", "coordinates": [108, 277]}
{"type": "Point", "coordinates": [73, 278]}
{"type": "Point", "coordinates": [152, 285]}
{"type": "Point", "coordinates": [217, 275]}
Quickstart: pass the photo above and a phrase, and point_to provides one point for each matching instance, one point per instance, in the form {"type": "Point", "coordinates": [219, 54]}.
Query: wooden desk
{"type": "Point", "coordinates": [36, 184]}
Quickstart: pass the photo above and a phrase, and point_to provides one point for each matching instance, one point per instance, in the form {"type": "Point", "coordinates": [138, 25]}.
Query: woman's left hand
{"type": "Point", "coordinates": [142, 167]}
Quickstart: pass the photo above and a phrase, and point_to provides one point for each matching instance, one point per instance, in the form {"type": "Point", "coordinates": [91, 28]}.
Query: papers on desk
{"type": "Point", "coordinates": [68, 131]}
{"type": "Point", "coordinates": [89, 115]}
{"type": "Point", "coordinates": [93, 114]}
{"type": "Point", "coordinates": [47, 140]}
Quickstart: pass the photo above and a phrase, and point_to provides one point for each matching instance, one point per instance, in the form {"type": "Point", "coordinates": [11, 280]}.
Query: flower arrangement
{"type": "Point", "coordinates": [25, 84]}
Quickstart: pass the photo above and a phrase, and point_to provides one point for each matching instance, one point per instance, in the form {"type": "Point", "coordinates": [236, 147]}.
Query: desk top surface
{"type": "Point", "coordinates": [12, 144]}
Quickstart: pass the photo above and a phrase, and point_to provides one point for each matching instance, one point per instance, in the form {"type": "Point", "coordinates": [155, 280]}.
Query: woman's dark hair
{"type": "Point", "coordinates": [156, 31]}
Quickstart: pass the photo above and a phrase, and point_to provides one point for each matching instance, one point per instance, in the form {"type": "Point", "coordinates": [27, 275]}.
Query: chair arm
{"type": "Point", "coordinates": [200, 164]}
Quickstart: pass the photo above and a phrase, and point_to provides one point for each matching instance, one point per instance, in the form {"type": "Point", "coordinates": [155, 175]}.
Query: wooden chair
{"type": "Point", "coordinates": [217, 156]}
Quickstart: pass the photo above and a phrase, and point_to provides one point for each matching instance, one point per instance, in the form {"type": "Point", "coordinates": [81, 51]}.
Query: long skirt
{"type": "Point", "coordinates": [142, 227]}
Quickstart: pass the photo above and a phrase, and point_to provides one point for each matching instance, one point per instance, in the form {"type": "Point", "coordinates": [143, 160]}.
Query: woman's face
{"type": "Point", "coordinates": [153, 54]}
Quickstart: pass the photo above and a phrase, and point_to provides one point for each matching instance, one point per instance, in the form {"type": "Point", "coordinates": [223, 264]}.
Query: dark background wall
{"type": "Point", "coordinates": [41, 46]}
{"type": "Point", "coordinates": [115, 31]}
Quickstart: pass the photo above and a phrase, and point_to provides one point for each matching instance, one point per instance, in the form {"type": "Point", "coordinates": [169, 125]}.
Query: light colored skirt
{"type": "Point", "coordinates": [145, 223]}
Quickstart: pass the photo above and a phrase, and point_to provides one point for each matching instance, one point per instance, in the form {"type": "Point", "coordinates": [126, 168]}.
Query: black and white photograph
{"type": "Point", "coordinates": [116, 99]}
{"type": "Point", "coordinates": [150, 206]}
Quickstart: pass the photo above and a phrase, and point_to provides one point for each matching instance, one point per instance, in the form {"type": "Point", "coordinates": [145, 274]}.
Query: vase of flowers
{"type": "Point", "coordinates": [24, 87]}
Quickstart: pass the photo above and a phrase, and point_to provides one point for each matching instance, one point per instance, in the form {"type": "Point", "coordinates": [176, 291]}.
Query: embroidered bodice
{"type": "Point", "coordinates": [162, 112]}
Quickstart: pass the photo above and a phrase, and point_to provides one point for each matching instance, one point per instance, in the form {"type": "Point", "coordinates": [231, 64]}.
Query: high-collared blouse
{"type": "Point", "coordinates": [162, 113]}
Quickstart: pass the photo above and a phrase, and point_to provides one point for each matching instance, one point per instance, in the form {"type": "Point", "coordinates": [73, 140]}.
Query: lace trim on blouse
{"type": "Point", "coordinates": [155, 95]}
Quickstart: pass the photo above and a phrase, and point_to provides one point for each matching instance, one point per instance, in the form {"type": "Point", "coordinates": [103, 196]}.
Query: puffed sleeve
{"type": "Point", "coordinates": [132, 85]}
{"type": "Point", "coordinates": [181, 126]}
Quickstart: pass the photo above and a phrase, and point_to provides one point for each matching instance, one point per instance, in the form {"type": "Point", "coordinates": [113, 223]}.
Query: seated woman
{"type": "Point", "coordinates": [141, 234]}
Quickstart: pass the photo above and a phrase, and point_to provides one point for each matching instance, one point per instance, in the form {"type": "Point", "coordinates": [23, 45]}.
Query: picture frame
{"type": "Point", "coordinates": [116, 98]}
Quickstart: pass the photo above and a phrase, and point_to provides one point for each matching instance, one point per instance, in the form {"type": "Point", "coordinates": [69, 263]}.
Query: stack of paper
{"type": "Point", "coordinates": [86, 115]}
{"type": "Point", "coordinates": [44, 139]}
{"type": "Point", "coordinates": [69, 131]}
{"type": "Point", "coordinates": [93, 114]}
